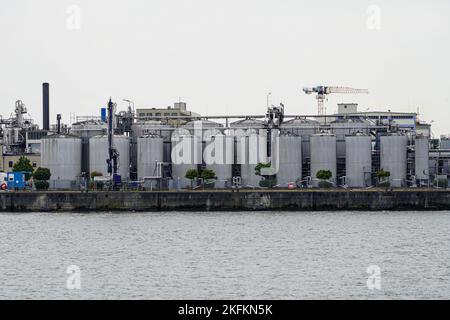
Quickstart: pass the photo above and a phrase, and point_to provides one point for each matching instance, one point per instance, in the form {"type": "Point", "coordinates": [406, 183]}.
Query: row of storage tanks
{"type": "Point", "coordinates": [87, 150]}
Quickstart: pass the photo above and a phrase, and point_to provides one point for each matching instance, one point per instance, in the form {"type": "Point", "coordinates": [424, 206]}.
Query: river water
{"type": "Point", "coordinates": [223, 255]}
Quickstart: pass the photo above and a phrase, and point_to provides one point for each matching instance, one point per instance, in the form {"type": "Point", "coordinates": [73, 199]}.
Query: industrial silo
{"type": "Point", "coordinates": [393, 158]}
{"type": "Point", "coordinates": [250, 149]}
{"type": "Point", "coordinates": [98, 154]}
{"type": "Point", "coordinates": [422, 157]}
{"type": "Point", "coordinates": [323, 156]}
{"type": "Point", "coordinates": [86, 130]}
{"type": "Point", "coordinates": [219, 157]}
{"type": "Point", "coordinates": [343, 127]}
{"type": "Point", "coordinates": [62, 155]}
{"type": "Point", "coordinates": [304, 128]}
{"type": "Point", "coordinates": [288, 151]}
{"type": "Point", "coordinates": [150, 128]}
{"type": "Point", "coordinates": [358, 161]}
{"type": "Point", "coordinates": [150, 151]}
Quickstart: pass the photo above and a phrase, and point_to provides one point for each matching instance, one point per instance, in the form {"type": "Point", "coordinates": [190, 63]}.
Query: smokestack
{"type": "Point", "coordinates": [58, 121]}
{"type": "Point", "coordinates": [46, 106]}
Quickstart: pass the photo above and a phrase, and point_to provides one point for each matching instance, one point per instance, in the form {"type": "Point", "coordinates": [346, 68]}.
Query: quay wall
{"type": "Point", "coordinates": [310, 200]}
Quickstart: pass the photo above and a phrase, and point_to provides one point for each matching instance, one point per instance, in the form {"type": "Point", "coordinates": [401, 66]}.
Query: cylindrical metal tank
{"type": "Point", "coordinates": [422, 168]}
{"type": "Point", "coordinates": [98, 154]}
{"type": "Point", "coordinates": [287, 159]}
{"type": "Point", "coordinates": [343, 127]}
{"type": "Point", "coordinates": [219, 157]}
{"type": "Point", "coordinates": [358, 161]}
{"type": "Point", "coordinates": [86, 130]}
{"type": "Point", "coordinates": [393, 158]}
{"type": "Point", "coordinates": [304, 128]}
{"type": "Point", "coordinates": [250, 148]}
{"type": "Point", "coordinates": [62, 155]}
{"type": "Point", "coordinates": [149, 151]}
{"type": "Point", "coordinates": [323, 156]}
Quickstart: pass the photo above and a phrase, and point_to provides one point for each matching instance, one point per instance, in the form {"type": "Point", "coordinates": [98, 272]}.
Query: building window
{"type": "Point", "coordinates": [34, 164]}
{"type": "Point", "coordinates": [174, 114]}
{"type": "Point", "coordinates": [141, 114]}
{"type": "Point", "coordinates": [158, 114]}
{"type": "Point", "coordinates": [11, 164]}
{"type": "Point", "coordinates": [166, 114]}
{"type": "Point", "coordinates": [149, 114]}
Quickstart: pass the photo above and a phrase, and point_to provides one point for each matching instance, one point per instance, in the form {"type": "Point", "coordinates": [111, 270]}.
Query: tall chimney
{"type": "Point", "coordinates": [46, 106]}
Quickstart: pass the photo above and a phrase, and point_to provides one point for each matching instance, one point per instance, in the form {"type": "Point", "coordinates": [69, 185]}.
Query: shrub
{"type": "Point", "coordinates": [259, 166]}
{"type": "Point", "coordinates": [42, 174]}
{"type": "Point", "coordinates": [324, 174]}
{"type": "Point", "coordinates": [208, 175]}
{"type": "Point", "coordinates": [442, 183]}
{"type": "Point", "coordinates": [191, 174]}
{"type": "Point", "coordinates": [268, 182]}
{"type": "Point", "coordinates": [383, 174]}
{"type": "Point", "coordinates": [41, 185]}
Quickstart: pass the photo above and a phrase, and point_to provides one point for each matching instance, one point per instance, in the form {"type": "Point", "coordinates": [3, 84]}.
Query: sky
{"type": "Point", "coordinates": [223, 57]}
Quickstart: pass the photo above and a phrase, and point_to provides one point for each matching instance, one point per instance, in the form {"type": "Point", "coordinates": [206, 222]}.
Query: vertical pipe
{"type": "Point", "coordinates": [46, 106]}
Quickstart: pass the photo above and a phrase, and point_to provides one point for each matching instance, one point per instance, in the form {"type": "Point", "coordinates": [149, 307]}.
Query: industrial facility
{"type": "Point", "coordinates": [150, 149]}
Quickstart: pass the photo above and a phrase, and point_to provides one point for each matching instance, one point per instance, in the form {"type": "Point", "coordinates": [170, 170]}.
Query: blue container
{"type": "Point", "coordinates": [16, 180]}
{"type": "Point", "coordinates": [103, 114]}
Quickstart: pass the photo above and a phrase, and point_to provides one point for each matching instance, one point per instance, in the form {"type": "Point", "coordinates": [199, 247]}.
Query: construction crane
{"type": "Point", "coordinates": [323, 91]}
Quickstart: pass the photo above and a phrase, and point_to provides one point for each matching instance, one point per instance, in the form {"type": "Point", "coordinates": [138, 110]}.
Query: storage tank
{"type": "Point", "coordinates": [304, 128]}
{"type": "Point", "coordinates": [323, 156]}
{"type": "Point", "coordinates": [393, 158]}
{"type": "Point", "coordinates": [98, 154]}
{"type": "Point", "coordinates": [358, 161]}
{"type": "Point", "coordinates": [150, 150]}
{"type": "Point", "coordinates": [186, 155]}
{"type": "Point", "coordinates": [422, 148]}
{"type": "Point", "coordinates": [343, 127]}
{"type": "Point", "coordinates": [219, 157]}
{"type": "Point", "coordinates": [86, 130]}
{"type": "Point", "coordinates": [250, 148]}
{"type": "Point", "coordinates": [62, 155]}
{"type": "Point", "coordinates": [289, 159]}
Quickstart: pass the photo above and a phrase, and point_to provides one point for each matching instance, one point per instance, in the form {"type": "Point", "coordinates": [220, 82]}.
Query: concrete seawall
{"type": "Point", "coordinates": [373, 199]}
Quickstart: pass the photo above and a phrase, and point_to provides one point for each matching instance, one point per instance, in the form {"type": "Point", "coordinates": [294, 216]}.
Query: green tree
{"type": "Point", "coordinates": [42, 174]}
{"type": "Point", "coordinates": [208, 174]}
{"type": "Point", "coordinates": [41, 177]}
{"type": "Point", "coordinates": [24, 165]}
{"type": "Point", "coordinates": [260, 166]}
{"type": "Point", "coordinates": [383, 178]}
{"type": "Point", "coordinates": [323, 176]}
{"type": "Point", "coordinates": [191, 174]}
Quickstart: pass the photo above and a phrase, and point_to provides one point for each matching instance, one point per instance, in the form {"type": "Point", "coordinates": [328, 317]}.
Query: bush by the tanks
{"type": "Point", "coordinates": [384, 184]}
{"type": "Point", "coordinates": [208, 174]}
{"type": "Point", "coordinates": [260, 166]}
{"type": "Point", "coordinates": [268, 182]}
{"type": "Point", "coordinates": [441, 183]}
{"type": "Point", "coordinates": [41, 185]}
{"type": "Point", "coordinates": [324, 174]}
{"type": "Point", "coordinates": [42, 174]}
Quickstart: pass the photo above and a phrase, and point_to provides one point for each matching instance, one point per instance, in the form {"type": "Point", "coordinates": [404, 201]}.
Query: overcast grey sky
{"type": "Point", "coordinates": [224, 56]}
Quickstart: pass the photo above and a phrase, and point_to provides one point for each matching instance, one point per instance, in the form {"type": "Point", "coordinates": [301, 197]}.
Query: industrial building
{"type": "Point", "coordinates": [154, 148]}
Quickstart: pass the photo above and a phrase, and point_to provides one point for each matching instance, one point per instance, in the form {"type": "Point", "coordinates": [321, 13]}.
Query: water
{"type": "Point", "coordinates": [226, 255]}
